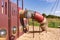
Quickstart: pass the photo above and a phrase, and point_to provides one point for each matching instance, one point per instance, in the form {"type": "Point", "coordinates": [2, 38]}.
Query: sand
{"type": "Point", "coordinates": [52, 34]}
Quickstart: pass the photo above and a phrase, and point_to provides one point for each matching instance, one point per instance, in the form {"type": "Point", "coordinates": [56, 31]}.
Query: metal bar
{"type": "Point", "coordinates": [17, 19]}
{"type": "Point", "coordinates": [28, 22]}
{"type": "Point", "coordinates": [33, 28]}
{"type": "Point", "coordinates": [22, 19]}
{"type": "Point", "coordinates": [22, 5]}
{"type": "Point", "coordinates": [9, 19]}
{"type": "Point", "coordinates": [39, 29]}
{"type": "Point", "coordinates": [33, 24]}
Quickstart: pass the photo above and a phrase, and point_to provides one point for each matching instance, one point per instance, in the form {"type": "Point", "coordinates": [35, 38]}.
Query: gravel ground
{"type": "Point", "coordinates": [52, 34]}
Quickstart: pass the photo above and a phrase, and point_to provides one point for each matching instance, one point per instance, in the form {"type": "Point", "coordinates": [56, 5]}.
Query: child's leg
{"type": "Point", "coordinates": [44, 25]}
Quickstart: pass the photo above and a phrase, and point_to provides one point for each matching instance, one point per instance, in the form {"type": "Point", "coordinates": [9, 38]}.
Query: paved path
{"type": "Point", "coordinates": [52, 34]}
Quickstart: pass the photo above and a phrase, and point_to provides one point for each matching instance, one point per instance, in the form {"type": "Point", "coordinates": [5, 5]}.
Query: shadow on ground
{"type": "Point", "coordinates": [35, 31]}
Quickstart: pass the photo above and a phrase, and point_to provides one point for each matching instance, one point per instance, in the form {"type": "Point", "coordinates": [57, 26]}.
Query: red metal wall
{"type": "Point", "coordinates": [14, 18]}
{"type": "Point", "coordinates": [3, 19]}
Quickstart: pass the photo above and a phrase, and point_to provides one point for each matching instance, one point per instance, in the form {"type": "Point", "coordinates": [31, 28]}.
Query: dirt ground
{"type": "Point", "coordinates": [52, 34]}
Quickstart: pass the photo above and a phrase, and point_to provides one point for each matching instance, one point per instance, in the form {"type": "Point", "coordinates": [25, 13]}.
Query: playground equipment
{"type": "Point", "coordinates": [31, 14]}
{"type": "Point", "coordinates": [9, 21]}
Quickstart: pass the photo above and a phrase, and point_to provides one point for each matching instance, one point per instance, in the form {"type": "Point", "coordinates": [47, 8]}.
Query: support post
{"type": "Point", "coordinates": [33, 24]}
{"type": "Point", "coordinates": [39, 29]}
{"type": "Point", "coordinates": [9, 19]}
{"type": "Point", "coordinates": [17, 19]}
{"type": "Point", "coordinates": [22, 5]}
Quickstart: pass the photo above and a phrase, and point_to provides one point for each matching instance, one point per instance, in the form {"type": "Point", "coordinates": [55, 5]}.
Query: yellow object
{"type": "Point", "coordinates": [21, 11]}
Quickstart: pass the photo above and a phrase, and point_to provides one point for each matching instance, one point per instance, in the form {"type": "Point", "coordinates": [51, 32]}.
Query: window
{"type": "Point", "coordinates": [13, 11]}
{"type": "Point", "coordinates": [5, 7]}
{"type": "Point", "coordinates": [2, 3]}
{"type": "Point", "coordinates": [2, 6]}
{"type": "Point", "coordinates": [2, 10]}
{"type": "Point", "coordinates": [3, 33]}
{"type": "Point", "coordinates": [14, 29]}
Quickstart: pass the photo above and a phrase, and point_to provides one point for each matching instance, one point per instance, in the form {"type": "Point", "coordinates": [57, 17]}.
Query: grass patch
{"type": "Point", "coordinates": [35, 23]}
{"type": "Point", "coordinates": [54, 23]}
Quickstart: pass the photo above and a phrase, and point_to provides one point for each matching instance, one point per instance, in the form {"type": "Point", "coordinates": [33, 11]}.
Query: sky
{"type": "Point", "coordinates": [42, 6]}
